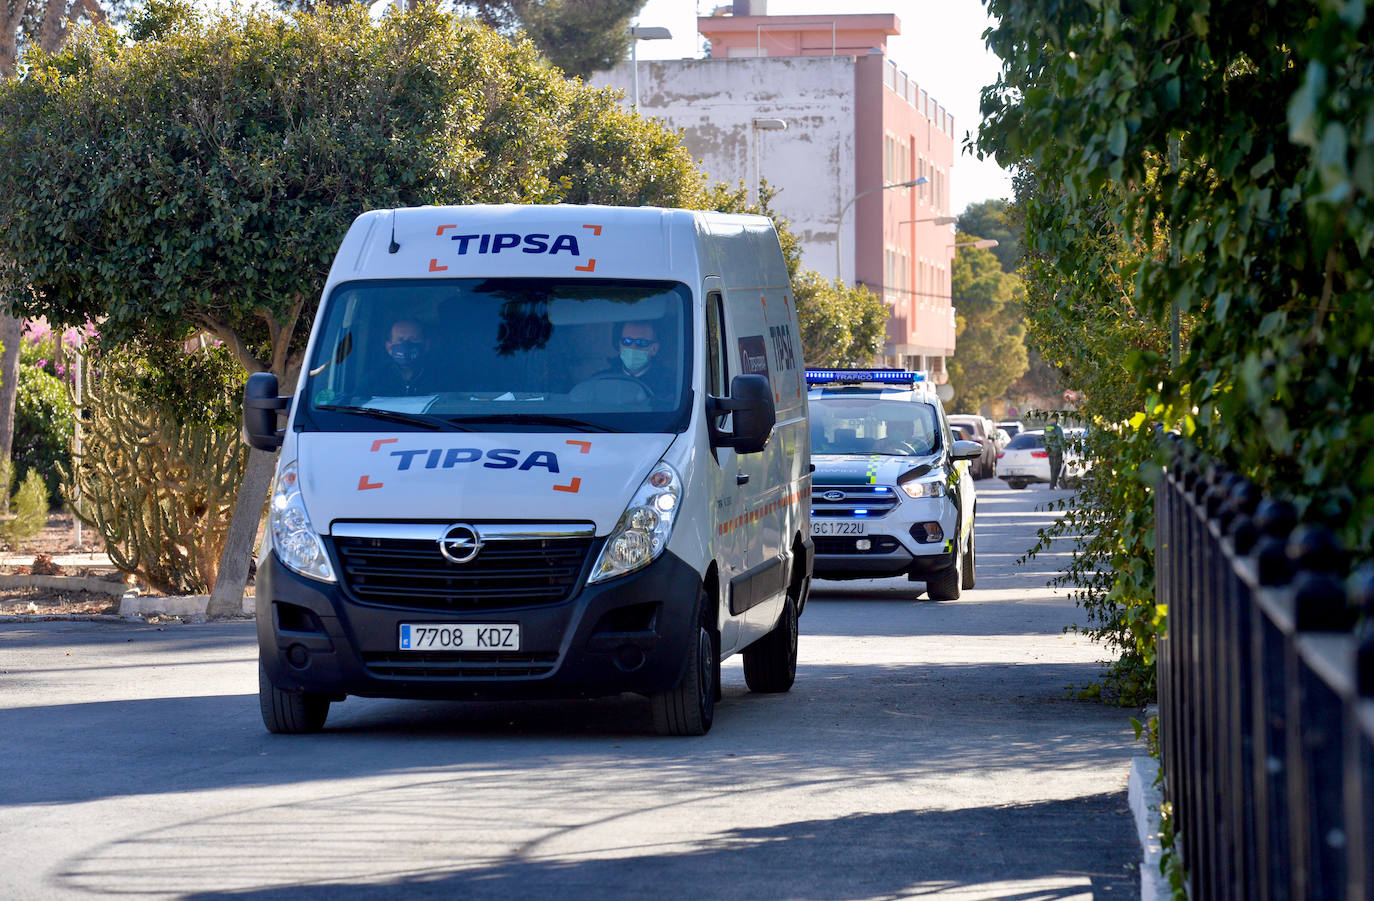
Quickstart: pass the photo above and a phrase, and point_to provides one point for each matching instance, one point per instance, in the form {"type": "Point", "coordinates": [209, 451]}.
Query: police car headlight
{"type": "Point", "coordinates": [644, 527]}
{"type": "Point", "coordinates": [927, 488]}
{"type": "Point", "coordinates": [296, 542]}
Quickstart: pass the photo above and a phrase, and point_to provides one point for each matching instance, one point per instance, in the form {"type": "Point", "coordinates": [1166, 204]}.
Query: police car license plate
{"type": "Point", "coordinates": [838, 527]}
{"type": "Point", "coordinates": [460, 637]}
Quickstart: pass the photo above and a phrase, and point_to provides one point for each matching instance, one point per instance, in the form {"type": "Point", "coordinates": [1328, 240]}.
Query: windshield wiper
{"type": "Point", "coordinates": [429, 422]}
{"type": "Point", "coordinates": [567, 422]}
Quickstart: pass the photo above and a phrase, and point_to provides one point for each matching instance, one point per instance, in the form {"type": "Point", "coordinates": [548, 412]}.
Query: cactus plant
{"type": "Point", "coordinates": [159, 491]}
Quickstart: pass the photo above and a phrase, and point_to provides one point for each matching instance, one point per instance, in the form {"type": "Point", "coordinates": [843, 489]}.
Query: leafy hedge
{"type": "Point", "coordinates": [1217, 159]}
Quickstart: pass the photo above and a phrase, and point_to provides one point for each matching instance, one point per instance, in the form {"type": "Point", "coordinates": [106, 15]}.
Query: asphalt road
{"type": "Point", "coordinates": [928, 750]}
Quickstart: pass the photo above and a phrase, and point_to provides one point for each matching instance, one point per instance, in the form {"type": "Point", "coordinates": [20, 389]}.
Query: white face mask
{"type": "Point", "coordinates": [634, 358]}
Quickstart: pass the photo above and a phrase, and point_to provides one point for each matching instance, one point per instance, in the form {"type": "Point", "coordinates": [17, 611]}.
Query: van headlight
{"type": "Point", "coordinates": [296, 542]}
{"type": "Point", "coordinates": [644, 527]}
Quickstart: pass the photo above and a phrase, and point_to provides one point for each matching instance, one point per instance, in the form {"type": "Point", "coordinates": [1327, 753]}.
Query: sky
{"type": "Point", "coordinates": [941, 46]}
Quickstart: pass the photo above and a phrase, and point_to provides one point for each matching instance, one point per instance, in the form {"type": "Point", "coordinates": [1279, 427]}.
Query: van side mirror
{"type": "Point", "coordinates": [260, 407]}
{"type": "Point", "coordinates": [751, 400]}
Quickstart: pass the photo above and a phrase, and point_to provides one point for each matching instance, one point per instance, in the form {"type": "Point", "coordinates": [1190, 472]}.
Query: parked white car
{"type": "Point", "coordinates": [1025, 459]}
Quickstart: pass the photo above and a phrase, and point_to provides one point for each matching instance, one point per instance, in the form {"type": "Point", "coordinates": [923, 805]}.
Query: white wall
{"type": "Point", "coordinates": [714, 102]}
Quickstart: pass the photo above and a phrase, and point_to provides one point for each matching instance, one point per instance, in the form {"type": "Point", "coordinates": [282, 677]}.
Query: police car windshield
{"type": "Point", "coordinates": [503, 354]}
{"type": "Point", "coordinates": [860, 424]}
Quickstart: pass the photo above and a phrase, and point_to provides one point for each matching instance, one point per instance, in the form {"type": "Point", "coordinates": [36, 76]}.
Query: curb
{"type": "Point", "coordinates": [132, 604]}
{"type": "Point", "coordinates": [1142, 792]}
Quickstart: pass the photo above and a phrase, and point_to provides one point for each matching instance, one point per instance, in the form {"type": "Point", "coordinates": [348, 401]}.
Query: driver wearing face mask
{"type": "Point", "coordinates": [636, 350]}
{"type": "Point", "coordinates": [407, 349]}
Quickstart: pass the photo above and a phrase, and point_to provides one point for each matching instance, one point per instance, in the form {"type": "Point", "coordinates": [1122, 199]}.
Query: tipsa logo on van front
{"type": "Point", "coordinates": [440, 458]}
{"type": "Point", "coordinates": [493, 243]}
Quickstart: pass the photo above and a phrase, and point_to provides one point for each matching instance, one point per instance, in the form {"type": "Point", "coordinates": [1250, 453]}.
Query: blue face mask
{"type": "Point", "coordinates": [634, 358]}
{"type": "Point", "coordinates": [406, 353]}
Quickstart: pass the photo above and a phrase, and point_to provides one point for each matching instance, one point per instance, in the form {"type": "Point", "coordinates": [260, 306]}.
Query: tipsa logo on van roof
{"type": "Point", "coordinates": [516, 242]}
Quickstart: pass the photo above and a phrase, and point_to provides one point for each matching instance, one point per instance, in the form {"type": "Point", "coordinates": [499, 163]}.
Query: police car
{"type": "Point", "coordinates": [891, 493]}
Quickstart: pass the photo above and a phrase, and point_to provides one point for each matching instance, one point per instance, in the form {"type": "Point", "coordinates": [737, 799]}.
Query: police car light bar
{"type": "Point", "coordinates": [891, 376]}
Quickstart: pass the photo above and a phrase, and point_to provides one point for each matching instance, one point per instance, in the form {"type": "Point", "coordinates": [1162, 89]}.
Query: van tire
{"type": "Point", "coordinates": [948, 584]}
{"type": "Point", "coordinates": [770, 664]}
{"type": "Point", "coordinates": [289, 712]}
{"type": "Point", "coordinates": [689, 708]}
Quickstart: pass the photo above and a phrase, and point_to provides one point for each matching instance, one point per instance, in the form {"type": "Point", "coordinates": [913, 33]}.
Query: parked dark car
{"type": "Point", "coordinates": [981, 429]}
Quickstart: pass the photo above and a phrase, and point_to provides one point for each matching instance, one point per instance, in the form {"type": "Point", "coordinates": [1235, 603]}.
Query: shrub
{"type": "Point", "coordinates": [43, 419]}
{"type": "Point", "coordinates": [30, 506]}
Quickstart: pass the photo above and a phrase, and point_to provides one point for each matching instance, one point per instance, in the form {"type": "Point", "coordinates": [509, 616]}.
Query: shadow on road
{"type": "Point", "coordinates": [904, 853]}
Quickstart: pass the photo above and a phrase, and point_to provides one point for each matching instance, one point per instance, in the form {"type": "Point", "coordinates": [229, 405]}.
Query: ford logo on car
{"type": "Point", "coordinates": [833, 495]}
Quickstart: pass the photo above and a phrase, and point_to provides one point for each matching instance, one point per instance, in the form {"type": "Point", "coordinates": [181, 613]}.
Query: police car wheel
{"type": "Point", "coordinates": [289, 712]}
{"type": "Point", "coordinates": [970, 560]}
{"type": "Point", "coordinates": [770, 664]}
{"type": "Point", "coordinates": [948, 584]}
{"type": "Point", "coordinates": [689, 708]}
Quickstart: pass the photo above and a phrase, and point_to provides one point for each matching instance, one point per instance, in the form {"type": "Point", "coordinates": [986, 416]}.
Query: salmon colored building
{"type": "Point", "coordinates": [855, 122]}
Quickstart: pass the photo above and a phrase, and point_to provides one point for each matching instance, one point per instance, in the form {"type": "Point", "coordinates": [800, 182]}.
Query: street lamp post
{"type": "Point", "coordinates": [839, 223]}
{"type": "Point", "coordinates": [643, 33]}
{"type": "Point", "coordinates": [763, 124]}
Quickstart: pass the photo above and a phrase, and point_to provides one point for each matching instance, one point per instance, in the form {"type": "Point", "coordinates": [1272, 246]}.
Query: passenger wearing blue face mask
{"type": "Point", "coordinates": [636, 349]}
{"type": "Point", "coordinates": [406, 349]}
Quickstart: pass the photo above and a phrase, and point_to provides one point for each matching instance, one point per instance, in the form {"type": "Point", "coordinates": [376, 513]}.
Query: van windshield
{"type": "Point", "coordinates": [501, 354]}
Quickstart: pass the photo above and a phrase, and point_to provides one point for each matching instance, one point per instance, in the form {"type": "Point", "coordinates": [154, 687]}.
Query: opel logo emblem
{"type": "Point", "coordinates": [460, 543]}
{"type": "Point", "coordinates": [833, 495]}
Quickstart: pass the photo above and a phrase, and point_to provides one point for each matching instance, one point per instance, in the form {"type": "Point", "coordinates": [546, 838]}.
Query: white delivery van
{"type": "Point", "coordinates": [538, 451]}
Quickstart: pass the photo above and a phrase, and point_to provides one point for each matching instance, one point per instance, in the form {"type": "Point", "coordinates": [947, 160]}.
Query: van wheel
{"type": "Point", "coordinates": [770, 664]}
{"type": "Point", "coordinates": [970, 561]}
{"type": "Point", "coordinates": [690, 707]}
{"type": "Point", "coordinates": [289, 712]}
{"type": "Point", "coordinates": [947, 585]}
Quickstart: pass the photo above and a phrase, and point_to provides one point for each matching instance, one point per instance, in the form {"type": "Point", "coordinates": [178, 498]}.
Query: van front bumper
{"type": "Point", "coordinates": [628, 634]}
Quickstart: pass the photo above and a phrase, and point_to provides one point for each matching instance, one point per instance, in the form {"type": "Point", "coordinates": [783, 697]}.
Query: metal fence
{"type": "Point", "coordinates": [1266, 694]}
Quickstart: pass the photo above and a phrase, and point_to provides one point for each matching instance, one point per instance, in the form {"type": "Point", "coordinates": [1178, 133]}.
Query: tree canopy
{"type": "Point", "coordinates": [990, 347]}
{"type": "Point", "coordinates": [992, 219]}
{"type": "Point", "coordinates": [199, 174]}
{"type": "Point", "coordinates": [578, 36]}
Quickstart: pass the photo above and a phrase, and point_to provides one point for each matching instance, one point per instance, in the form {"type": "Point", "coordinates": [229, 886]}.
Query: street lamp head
{"type": "Point", "coordinates": [770, 124]}
{"type": "Point", "coordinates": [981, 244]}
{"type": "Point", "coordinates": [909, 184]}
{"type": "Point", "coordinates": [937, 220]}
{"type": "Point", "coordinates": [649, 33]}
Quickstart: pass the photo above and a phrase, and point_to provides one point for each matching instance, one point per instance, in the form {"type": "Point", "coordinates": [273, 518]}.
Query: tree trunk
{"type": "Point", "coordinates": [11, 333]}
{"type": "Point", "coordinates": [227, 597]}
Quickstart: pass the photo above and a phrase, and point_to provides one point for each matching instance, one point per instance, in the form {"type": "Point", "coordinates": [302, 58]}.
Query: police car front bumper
{"type": "Point", "coordinates": [629, 634]}
{"type": "Point", "coordinates": [894, 548]}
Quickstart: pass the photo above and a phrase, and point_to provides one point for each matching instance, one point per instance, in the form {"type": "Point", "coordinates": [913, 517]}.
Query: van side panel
{"type": "Point", "coordinates": [764, 339]}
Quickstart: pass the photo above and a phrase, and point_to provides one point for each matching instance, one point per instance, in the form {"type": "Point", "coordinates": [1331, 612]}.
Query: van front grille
{"type": "Point", "coordinates": [411, 574]}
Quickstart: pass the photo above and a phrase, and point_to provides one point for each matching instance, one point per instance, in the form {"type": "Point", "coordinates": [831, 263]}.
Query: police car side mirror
{"type": "Point", "coordinates": [967, 450]}
{"type": "Point", "coordinates": [751, 400]}
{"type": "Point", "coordinates": [260, 407]}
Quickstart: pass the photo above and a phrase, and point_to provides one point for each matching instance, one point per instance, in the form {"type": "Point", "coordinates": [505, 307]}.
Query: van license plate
{"type": "Point", "coordinates": [838, 527]}
{"type": "Point", "coordinates": [460, 637]}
